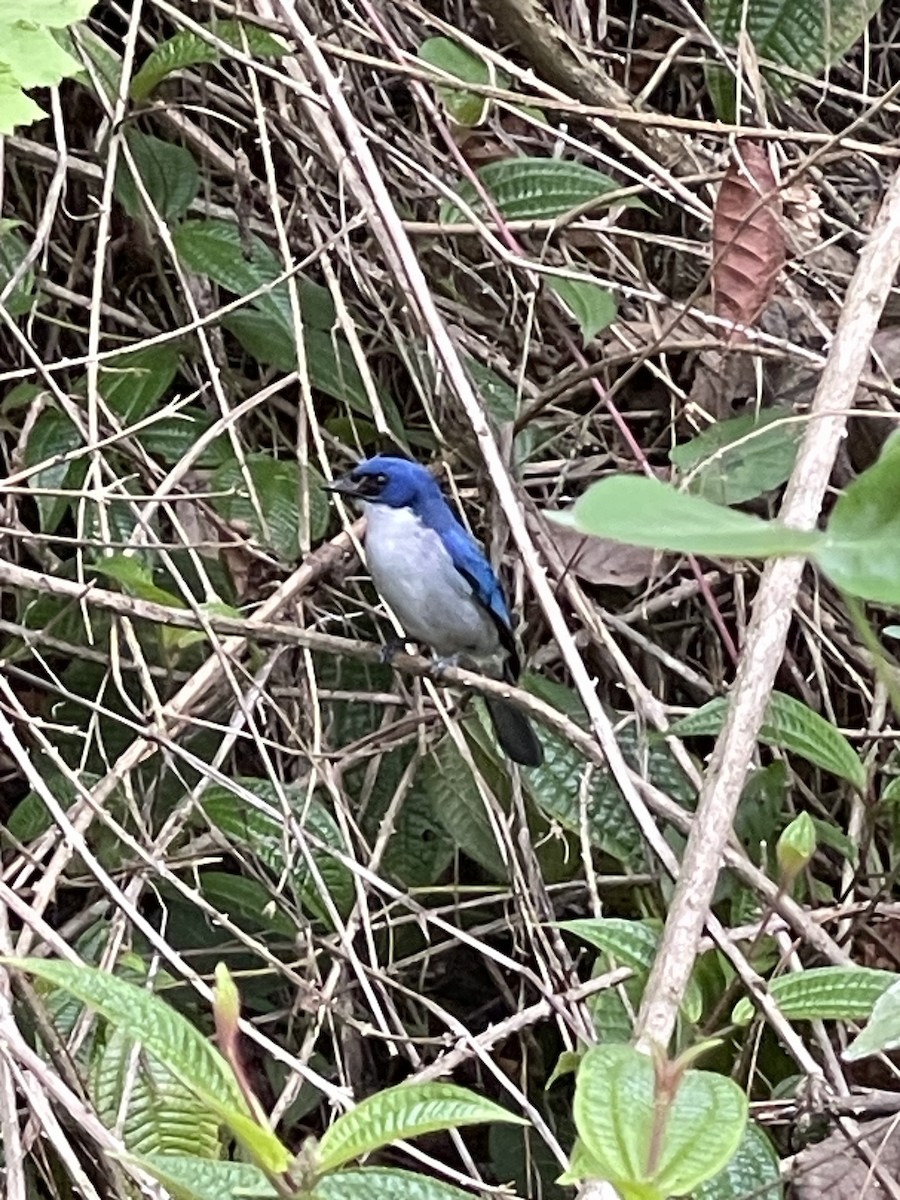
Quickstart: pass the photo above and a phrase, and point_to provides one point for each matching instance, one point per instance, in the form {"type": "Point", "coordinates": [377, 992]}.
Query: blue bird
{"type": "Point", "coordinates": [430, 570]}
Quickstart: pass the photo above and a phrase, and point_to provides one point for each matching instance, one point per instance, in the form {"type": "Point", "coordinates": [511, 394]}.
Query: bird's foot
{"type": "Point", "coordinates": [445, 663]}
{"type": "Point", "coordinates": [391, 649]}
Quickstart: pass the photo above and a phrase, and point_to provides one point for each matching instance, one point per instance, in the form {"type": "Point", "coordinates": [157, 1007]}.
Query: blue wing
{"type": "Point", "coordinates": [469, 559]}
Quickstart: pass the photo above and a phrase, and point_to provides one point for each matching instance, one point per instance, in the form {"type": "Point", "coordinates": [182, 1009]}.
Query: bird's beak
{"type": "Point", "coordinates": [345, 486]}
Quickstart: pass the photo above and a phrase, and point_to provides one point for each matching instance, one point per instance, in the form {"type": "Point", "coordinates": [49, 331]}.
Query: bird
{"type": "Point", "coordinates": [436, 578]}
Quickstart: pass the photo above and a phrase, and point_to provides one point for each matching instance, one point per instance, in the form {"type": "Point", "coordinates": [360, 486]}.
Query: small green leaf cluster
{"type": "Point", "coordinates": [187, 1158]}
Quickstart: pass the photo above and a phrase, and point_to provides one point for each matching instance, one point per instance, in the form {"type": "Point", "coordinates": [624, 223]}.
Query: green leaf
{"type": "Point", "coordinates": [188, 1177]}
{"type": "Point", "coordinates": [264, 834]}
{"type": "Point", "coordinates": [170, 438]}
{"type": "Point", "coordinates": [136, 579]}
{"type": "Point", "coordinates": [753, 1171]}
{"type": "Point", "coordinates": [246, 901]}
{"type": "Point", "coordinates": [631, 944]}
{"type": "Point", "coordinates": [15, 107]}
{"type": "Point", "coordinates": [215, 249]}
{"type": "Point", "coordinates": [385, 1183]}
{"type": "Point", "coordinates": [168, 172]}
{"type": "Point", "coordinates": [12, 252]}
{"type": "Point", "coordinates": [31, 54]}
{"type": "Point", "coordinates": [806, 36]}
{"type": "Point", "coordinates": [162, 1115]}
{"type": "Point", "coordinates": [592, 306]}
{"type": "Point", "coordinates": [615, 1112]}
{"type": "Point", "coordinates": [188, 49]}
{"type": "Point", "coordinates": [162, 1031]}
{"type": "Point", "coordinates": [645, 512]}
{"type": "Point", "coordinates": [500, 398]}
{"type": "Point", "coordinates": [790, 725]}
{"type": "Point", "coordinates": [273, 518]}
{"type": "Point", "coordinates": [403, 1112]}
{"type": "Point", "coordinates": [53, 435]}
{"type": "Point", "coordinates": [466, 108]}
{"type": "Point", "coordinates": [556, 785]}
{"type": "Point", "coordinates": [823, 994]}
{"type": "Point", "coordinates": [740, 459]}
{"type": "Point", "coordinates": [54, 13]}
{"type": "Point", "coordinates": [534, 189]}
{"type": "Point", "coordinates": [796, 846]}
{"type": "Point", "coordinates": [860, 549]}
{"type": "Point", "coordinates": [133, 382]}
{"type": "Point", "coordinates": [457, 802]}
{"type": "Point", "coordinates": [882, 1032]}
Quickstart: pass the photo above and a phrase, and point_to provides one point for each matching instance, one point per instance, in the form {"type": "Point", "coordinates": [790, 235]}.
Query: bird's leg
{"type": "Point", "coordinates": [446, 662]}
{"type": "Point", "coordinates": [391, 648]}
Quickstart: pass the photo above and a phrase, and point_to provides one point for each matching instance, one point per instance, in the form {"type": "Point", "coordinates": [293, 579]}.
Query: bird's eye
{"type": "Point", "coordinates": [381, 480]}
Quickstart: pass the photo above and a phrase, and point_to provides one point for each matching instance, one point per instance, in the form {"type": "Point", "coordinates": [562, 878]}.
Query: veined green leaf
{"type": "Point", "coordinates": [882, 1031]}
{"type": "Point", "coordinates": [273, 519]}
{"type": "Point", "coordinates": [168, 172]}
{"type": "Point", "coordinates": [189, 1177]}
{"type": "Point", "coordinates": [615, 1112]}
{"type": "Point", "coordinates": [408, 1110]}
{"type": "Point", "coordinates": [753, 1171]}
{"type": "Point", "coordinates": [592, 306]}
{"type": "Point", "coordinates": [12, 252]}
{"type": "Point", "coordinates": [790, 725]}
{"type": "Point", "coordinates": [805, 36]}
{"type": "Point", "coordinates": [737, 460]}
{"type": "Point", "coordinates": [534, 189]}
{"type": "Point", "coordinates": [188, 49]}
{"type": "Point", "coordinates": [823, 994]}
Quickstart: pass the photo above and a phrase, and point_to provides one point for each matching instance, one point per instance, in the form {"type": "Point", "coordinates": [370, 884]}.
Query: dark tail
{"type": "Point", "coordinates": [515, 733]}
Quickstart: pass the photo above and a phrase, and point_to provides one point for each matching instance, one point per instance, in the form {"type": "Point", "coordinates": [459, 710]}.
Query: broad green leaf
{"type": "Point", "coordinates": [500, 398]}
{"type": "Point", "coordinates": [534, 189]}
{"type": "Point", "coordinates": [385, 1183]}
{"type": "Point", "coordinates": [556, 785]}
{"type": "Point", "coordinates": [170, 438]}
{"type": "Point", "coordinates": [133, 382]}
{"type": "Point", "coordinates": [882, 1031]}
{"type": "Point", "coordinates": [188, 1177]}
{"type": "Point", "coordinates": [645, 512]}
{"type": "Point", "coordinates": [823, 994]}
{"type": "Point", "coordinates": [246, 901]}
{"type": "Point", "coordinates": [12, 252]}
{"type": "Point", "coordinates": [188, 49]}
{"type": "Point", "coordinates": [53, 435]}
{"type": "Point", "coordinates": [408, 1110]}
{"type": "Point", "coordinates": [448, 780]}
{"type": "Point", "coordinates": [630, 944]}
{"type": "Point", "coordinates": [15, 107]}
{"type": "Point", "coordinates": [215, 248]}
{"type": "Point", "coordinates": [136, 579]}
{"type": "Point", "coordinates": [592, 306]}
{"type": "Point", "coordinates": [273, 517]}
{"type": "Point", "coordinates": [753, 1171]}
{"type": "Point", "coordinates": [804, 35]}
{"type": "Point", "coordinates": [31, 817]}
{"type": "Point", "coordinates": [790, 725]}
{"type": "Point", "coordinates": [163, 1032]}
{"type": "Point", "coordinates": [270, 840]}
{"type": "Point", "coordinates": [740, 459]}
{"type": "Point", "coordinates": [54, 13]}
{"type": "Point", "coordinates": [466, 108]}
{"type": "Point", "coordinates": [615, 1114]}
{"type": "Point", "coordinates": [162, 1115]}
{"type": "Point", "coordinates": [329, 360]}
{"type": "Point", "coordinates": [168, 172]}
{"type": "Point", "coordinates": [861, 549]}
{"type": "Point", "coordinates": [31, 54]}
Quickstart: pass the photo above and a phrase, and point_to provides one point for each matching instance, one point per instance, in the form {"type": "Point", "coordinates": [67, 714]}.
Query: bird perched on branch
{"type": "Point", "coordinates": [430, 570]}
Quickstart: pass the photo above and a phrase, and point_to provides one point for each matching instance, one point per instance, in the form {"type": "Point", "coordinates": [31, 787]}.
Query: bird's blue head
{"type": "Point", "coordinates": [396, 482]}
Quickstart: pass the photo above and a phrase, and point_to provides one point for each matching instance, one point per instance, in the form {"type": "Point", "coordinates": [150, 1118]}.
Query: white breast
{"type": "Point", "coordinates": [416, 577]}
